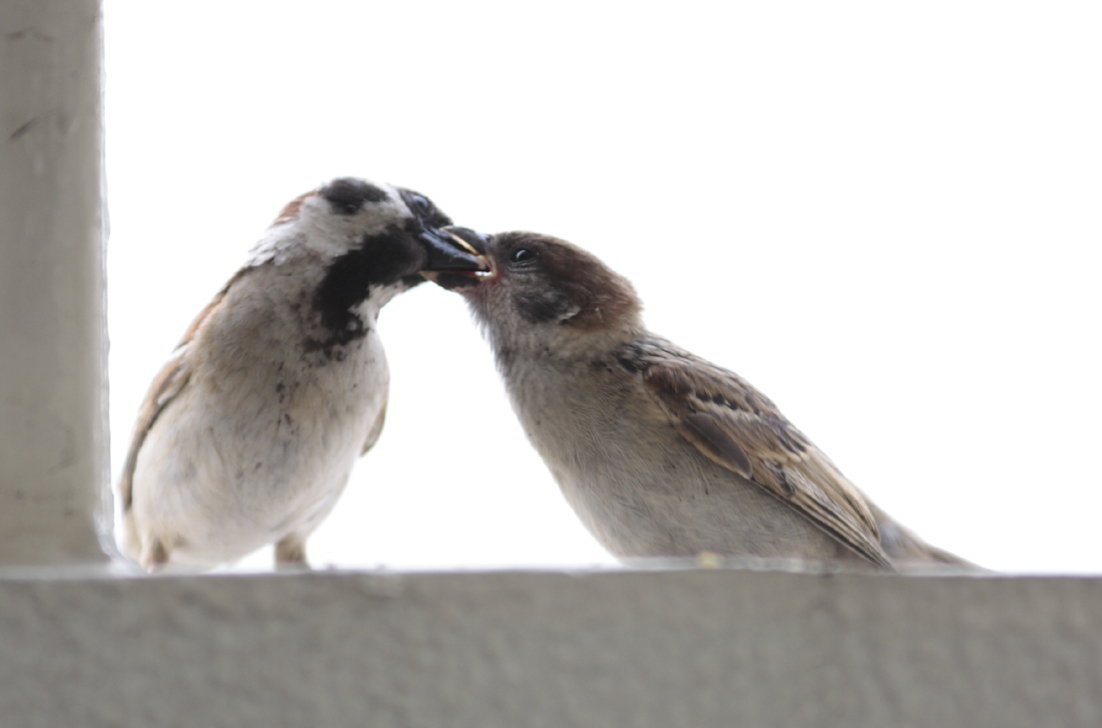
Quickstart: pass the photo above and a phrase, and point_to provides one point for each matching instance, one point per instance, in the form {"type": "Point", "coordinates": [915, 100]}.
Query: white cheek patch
{"type": "Point", "coordinates": [570, 313]}
{"type": "Point", "coordinates": [333, 233]}
{"type": "Point", "coordinates": [318, 227]}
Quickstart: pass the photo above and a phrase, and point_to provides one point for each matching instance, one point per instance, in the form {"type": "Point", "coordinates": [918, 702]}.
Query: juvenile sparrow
{"type": "Point", "coordinates": [659, 452]}
{"type": "Point", "coordinates": [248, 435]}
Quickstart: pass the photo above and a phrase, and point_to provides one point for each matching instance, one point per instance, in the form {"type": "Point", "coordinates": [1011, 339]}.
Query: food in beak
{"type": "Point", "coordinates": [473, 247]}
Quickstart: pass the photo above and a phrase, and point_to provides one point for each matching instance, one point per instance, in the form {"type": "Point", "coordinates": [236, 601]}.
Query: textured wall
{"type": "Point", "coordinates": [700, 648]}
{"type": "Point", "coordinates": [52, 339]}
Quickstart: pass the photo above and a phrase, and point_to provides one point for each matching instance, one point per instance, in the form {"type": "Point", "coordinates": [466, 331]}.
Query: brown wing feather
{"type": "Point", "coordinates": [168, 383]}
{"type": "Point", "coordinates": [740, 429]}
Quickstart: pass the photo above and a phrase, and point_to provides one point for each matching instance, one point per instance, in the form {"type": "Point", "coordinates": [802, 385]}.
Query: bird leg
{"type": "Point", "coordinates": [290, 553]}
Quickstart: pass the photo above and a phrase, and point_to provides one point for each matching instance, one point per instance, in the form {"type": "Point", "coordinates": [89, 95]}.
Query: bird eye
{"type": "Point", "coordinates": [522, 255]}
{"type": "Point", "coordinates": [421, 203]}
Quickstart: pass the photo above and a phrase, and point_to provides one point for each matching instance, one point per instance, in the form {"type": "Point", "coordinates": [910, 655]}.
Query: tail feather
{"type": "Point", "coordinates": [909, 553]}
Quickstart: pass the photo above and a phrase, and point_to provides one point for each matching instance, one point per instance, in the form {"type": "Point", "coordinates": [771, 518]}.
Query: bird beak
{"type": "Point", "coordinates": [468, 239]}
{"type": "Point", "coordinates": [456, 256]}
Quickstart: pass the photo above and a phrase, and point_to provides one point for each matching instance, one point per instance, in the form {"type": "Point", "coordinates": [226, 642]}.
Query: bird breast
{"type": "Point", "coordinates": [265, 432]}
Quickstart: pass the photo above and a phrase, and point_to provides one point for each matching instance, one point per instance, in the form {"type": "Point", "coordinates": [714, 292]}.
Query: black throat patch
{"type": "Point", "coordinates": [387, 258]}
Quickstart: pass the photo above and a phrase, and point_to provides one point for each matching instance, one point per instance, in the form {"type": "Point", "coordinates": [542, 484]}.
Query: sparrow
{"type": "Point", "coordinates": [250, 431]}
{"type": "Point", "coordinates": [659, 452]}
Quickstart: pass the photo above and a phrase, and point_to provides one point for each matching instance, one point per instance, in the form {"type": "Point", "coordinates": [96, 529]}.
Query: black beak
{"type": "Point", "coordinates": [454, 249]}
{"type": "Point", "coordinates": [469, 239]}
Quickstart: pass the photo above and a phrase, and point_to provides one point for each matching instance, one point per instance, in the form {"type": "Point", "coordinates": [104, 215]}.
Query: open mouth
{"type": "Point", "coordinates": [473, 243]}
{"type": "Point", "coordinates": [453, 279]}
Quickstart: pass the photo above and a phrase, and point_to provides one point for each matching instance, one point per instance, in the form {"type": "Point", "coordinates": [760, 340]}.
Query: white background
{"type": "Point", "coordinates": [886, 216]}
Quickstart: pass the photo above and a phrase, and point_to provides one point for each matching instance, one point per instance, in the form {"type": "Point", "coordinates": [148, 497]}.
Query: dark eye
{"type": "Point", "coordinates": [522, 255]}
{"type": "Point", "coordinates": [421, 203]}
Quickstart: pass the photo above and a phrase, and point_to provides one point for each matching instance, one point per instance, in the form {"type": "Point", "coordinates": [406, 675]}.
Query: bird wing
{"type": "Point", "coordinates": [740, 429]}
{"type": "Point", "coordinates": [170, 381]}
{"type": "Point", "coordinates": [167, 385]}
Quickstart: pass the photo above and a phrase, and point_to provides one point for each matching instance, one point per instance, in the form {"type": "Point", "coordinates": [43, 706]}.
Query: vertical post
{"type": "Point", "coordinates": [54, 503]}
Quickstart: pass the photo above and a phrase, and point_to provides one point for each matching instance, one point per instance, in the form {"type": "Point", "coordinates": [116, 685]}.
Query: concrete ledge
{"type": "Point", "coordinates": [688, 648]}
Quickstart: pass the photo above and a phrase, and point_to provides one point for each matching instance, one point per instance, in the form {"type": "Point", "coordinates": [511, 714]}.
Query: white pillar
{"type": "Point", "coordinates": [54, 503]}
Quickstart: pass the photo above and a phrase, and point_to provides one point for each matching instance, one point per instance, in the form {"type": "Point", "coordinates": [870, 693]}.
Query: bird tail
{"type": "Point", "coordinates": [910, 554]}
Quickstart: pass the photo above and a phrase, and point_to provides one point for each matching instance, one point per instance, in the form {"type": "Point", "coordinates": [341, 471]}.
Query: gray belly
{"type": "Point", "coordinates": [643, 491]}
{"type": "Point", "coordinates": [226, 471]}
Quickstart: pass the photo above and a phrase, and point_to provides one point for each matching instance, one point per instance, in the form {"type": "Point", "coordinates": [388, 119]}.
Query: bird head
{"type": "Point", "coordinates": [393, 232]}
{"type": "Point", "coordinates": [543, 294]}
{"type": "Point", "coordinates": [370, 240]}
